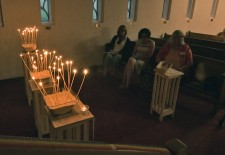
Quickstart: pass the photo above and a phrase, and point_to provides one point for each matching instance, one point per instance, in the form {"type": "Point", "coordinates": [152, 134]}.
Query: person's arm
{"type": "Point", "coordinates": [149, 52]}
{"type": "Point", "coordinates": [135, 49]}
{"type": "Point", "coordinates": [151, 49]}
{"type": "Point", "coordinates": [188, 60]}
{"type": "Point", "coordinates": [112, 42]}
{"type": "Point", "coordinates": [127, 50]}
{"type": "Point", "coordinates": [162, 53]}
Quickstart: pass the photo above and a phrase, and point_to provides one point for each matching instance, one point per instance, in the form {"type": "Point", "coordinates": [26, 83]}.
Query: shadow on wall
{"type": "Point", "coordinates": [91, 50]}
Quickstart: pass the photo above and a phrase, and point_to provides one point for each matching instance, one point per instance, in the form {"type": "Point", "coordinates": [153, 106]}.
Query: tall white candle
{"type": "Point", "coordinates": [74, 73]}
{"type": "Point", "coordinates": [85, 72]}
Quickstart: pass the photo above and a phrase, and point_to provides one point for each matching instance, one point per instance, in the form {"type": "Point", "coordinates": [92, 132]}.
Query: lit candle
{"type": "Point", "coordinates": [67, 63]}
{"type": "Point", "coordinates": [49, 61]}
{"type": "Point", "coordinates": [54, 72]}
{"type": "Point", "coordinates": [58, 65]}
{"type": "Point", "coordinates": [74, 73]}
{"type": "Point", "coordinates": [70, 70]}
{"type": "Point", "coordinates": [64, 82]}
{"type": "Point", "coordinates": [52, 57]}
{"type": "Point", "coordinates": [23, 41]}
{"type": "Point", "coordinates": [62, 66]}
{"type": "Point", "coordinates": [84, 110]}
{"type": "Point", "coordinates": [36, 35]}
{"type": "Point", "coordinates": [44, 92]}
{"type": "Point", "coordinates": [85, 72]}
{"type": "Point", "coordinates": [28, 53]}
{"type": "Point", "coordinates": [58, 84]}
{"type": "Point", "coordinates": [41, 58]}
{"type": "Point", "coordinates": [46, 59]}
{"type": "Point", "coordinates": [37, 59]}
{"type": "Point", "coordinates": [20, 36]}
{"type": "Point", "coordinates": [29, 38]}
{"type": "Point", "coordinates": [25, 63]}
{"type": "Point", "coordinates": [38, 86]}
{"type": "Point", "coordinates": [50, 69]}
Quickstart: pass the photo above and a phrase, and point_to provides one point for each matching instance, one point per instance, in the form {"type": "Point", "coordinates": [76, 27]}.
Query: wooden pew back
{"type": "Point", "coordinates": [205, 36]}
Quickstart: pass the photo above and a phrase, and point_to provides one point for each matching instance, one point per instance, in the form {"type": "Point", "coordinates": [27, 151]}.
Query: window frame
{"type": "Point", "coordinates": [190, 9]}
{"type": "Point", "coordinates": [50, 15]}
{"type": "Point", "coordinates": [131, 10]}
{"type": "Point", "coordinates": [214, 9]}
{"type": "Point", "coordinates": [166, 9]}
{"type": "Point", "coordinates": [98, 11]}
{"type": "Point", "coordinates": [1, 15]}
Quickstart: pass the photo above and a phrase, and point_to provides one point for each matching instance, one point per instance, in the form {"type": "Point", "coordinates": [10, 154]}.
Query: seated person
{"type": "Point", "coordinates": [120, 47]}
{"type": "Point", "coordinates": [143, 50]}
{"type": "Point", "coordinates": [176, 52]}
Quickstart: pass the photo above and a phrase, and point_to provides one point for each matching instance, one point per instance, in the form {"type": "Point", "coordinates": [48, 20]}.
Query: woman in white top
{"type": "Point", "coordinates": [143, 50]}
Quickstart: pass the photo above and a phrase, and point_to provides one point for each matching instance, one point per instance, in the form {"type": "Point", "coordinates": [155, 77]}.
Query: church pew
{"type": "Point", "coordinates": [207, 43]}
{"type": "Point", "coordinates": [202, 36]}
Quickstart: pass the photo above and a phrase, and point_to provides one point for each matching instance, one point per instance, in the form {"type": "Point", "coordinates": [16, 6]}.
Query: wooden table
{"type": "Point", "coordinates": [72, 126]}
{"type": "Point", "coordinates": [165, 90]}
{"type": "Point", "coordinates": [40, 115]}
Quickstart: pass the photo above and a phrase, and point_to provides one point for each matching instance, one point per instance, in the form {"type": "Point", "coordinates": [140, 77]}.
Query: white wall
{"type": "Point", "coordinates": [75, 36]}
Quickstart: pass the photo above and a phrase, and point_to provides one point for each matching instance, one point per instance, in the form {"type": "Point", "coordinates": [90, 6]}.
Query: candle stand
{"type": "Point", "coordinates": [165, 90]}
{"type": "Point", "coordinates": [72, 126]}
{"type": "Point", "coordinates": [40, 115]}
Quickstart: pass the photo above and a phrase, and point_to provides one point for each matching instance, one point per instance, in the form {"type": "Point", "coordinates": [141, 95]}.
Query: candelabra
{"type": "Point", "coordinates": [45, 67]}
{"type": "Point", "coordinates": [29, 38]}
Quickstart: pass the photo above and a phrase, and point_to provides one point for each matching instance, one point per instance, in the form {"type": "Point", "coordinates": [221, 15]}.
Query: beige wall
{"type": "Point", "coordinates": [74, 36]}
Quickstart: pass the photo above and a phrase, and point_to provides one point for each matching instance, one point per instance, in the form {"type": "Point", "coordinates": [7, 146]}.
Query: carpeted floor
{"type": "Point", "coordinates": [122, 116]}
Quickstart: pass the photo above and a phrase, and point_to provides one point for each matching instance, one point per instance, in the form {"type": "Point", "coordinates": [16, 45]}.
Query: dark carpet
{"type": "Point", "coordinates": [123, 116]}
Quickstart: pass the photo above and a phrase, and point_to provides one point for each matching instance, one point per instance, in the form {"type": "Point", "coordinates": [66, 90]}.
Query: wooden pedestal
{"type": "Point", "coordinates": [165, 90]}
{"type": "Point", "coordinates": [26, 79]}
{"type": "Point", "coordinates": [40, 115]}
{"type": "Point", "coordinates": [72, 126]}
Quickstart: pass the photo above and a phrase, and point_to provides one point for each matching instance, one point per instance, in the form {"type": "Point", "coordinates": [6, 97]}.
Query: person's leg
{"type": "Point", "coordinates": [129, 71]}
{"type": "Point", "coordinates": [107, 62]}
{"type": "Point", "coordinates": [124, 77]}
{"type": "Point", "coordinates": [138, 66]}
{"type": "Point", "coordinates": [115, 62]}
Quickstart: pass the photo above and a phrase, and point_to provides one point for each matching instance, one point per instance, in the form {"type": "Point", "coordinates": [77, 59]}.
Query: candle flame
{"type": "Point", "coordinates": [85, 71]}
{"type": "Point", "coordinates": [40, 83]}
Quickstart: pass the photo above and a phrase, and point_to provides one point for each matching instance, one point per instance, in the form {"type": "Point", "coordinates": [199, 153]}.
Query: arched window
{"type": "Point", "coordinates": [131, 10]}
{"type": "Point", "coordinates": [214, 9]}
{"type": "Point", "coordinates": [190, 9]}
{"type": "Point", "coordinates": [45, 8]}
{"type": "Point", "coordinates": [97, 13]}
{"type": "Point", "coordinates": [1, 17]}
{"type": "Point", "coordinates": [166, 9]}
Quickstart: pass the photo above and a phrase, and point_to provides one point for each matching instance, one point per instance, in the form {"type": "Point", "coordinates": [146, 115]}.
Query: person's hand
{"type": "Point", "coordinates": [114, 52]}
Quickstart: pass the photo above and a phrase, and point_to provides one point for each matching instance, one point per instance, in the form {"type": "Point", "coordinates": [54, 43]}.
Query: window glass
{"type": "Point", "coordinates": [45, 11]}
{"type": "Point", "coordinates": [190, 9]}
{"type": "Point", "coordinates": [131, 10]}
{"type": "Point", "coordinates": [166, 9]}
{"type": "Point", "coordinates": [97, 7]}
{"type": "Point", "coordinates": [1, 17]}
{"type": "Point", "coordinates": [95, 10]}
